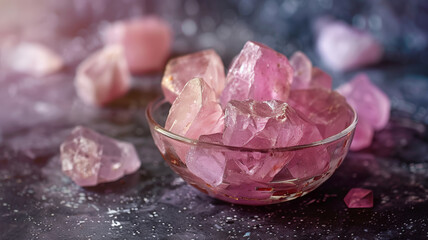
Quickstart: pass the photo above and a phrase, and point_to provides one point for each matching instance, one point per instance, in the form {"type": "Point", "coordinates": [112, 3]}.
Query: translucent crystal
{"type": "Point", "coordinates": [207, 163]}
{"type": "Point", "coordinates": [195, 111]}
{"type": "Point", "coordinates": [369, 101]}
{"type": "Point", "coordinates": [258, 73]}
{"type": "Point", "coordinates": [205, 64]}
{"type": "Point", "coordinates": [103, 76]}
{"type": "Point", "coordinates": [359, 198]}
{"type": "Point", "coordinates": [147, 42]}
{"type": "Point", "coordinates": [89, 158]}
{"type": "Point", "coordinates": [327, 109]}
{"type": "Point", "coordinates": [343, 47]}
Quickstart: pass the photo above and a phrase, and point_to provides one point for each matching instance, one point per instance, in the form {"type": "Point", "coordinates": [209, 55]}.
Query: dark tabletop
{"type": "Point", "coordinates": [37, 201]}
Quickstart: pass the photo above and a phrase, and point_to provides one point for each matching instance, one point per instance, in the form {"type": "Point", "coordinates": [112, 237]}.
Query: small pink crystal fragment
{"type": "Point", "coordinates": [205, 64]}
{"type": "Point", "coordinates": [302, 70]}
{"type": "Point", "coordinates": [195, 111]}
{"type": "Point", "coordinates": [343, 47]}
{"type": "Point", "coordinates": [207, 163]}
{"type": "Point", "coordinates": [103, 76]}
{"type": "Point", "coordinates": [31, 58]}
{"type": "Point", "coordinates": [327, 109]}
{"type": "Point", "coordinates": [258, 73]}
{"type": "Point", "coordinates": [363, 135]}
{"type": "Point", "coordinates": [371, 104]}
{"type": "Point", "coordinates": [261, 125]}
{"type": "Point", "coordinates": [320, 79]}
{"type": "Point", "coordinates": [147, 42]}
{"type": "Point", "coordinates": [359, 198]}
{"type": "Point", "coordinates": [89, 158]}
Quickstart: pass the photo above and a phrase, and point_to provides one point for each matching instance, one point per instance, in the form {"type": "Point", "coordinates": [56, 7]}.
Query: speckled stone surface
{"type": "Point", "coordinates": [37, 201]}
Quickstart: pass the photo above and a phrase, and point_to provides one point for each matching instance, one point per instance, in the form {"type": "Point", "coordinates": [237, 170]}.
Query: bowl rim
{"type": "Point", "coordinates": [158, 128]}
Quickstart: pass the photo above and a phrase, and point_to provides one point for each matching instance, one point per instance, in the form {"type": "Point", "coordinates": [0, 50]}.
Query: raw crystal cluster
{"type": "Point", "coordinates": [103, 76]}
{"type": "Point", "coordinates": [343, 47]}
{"type": "Point", "coordinates": [372, 105]}
{"type": "Point", "coordinates": [266, 102]}
{"type": "Point", "coordinates": [89, 158]}
{"type": "Point", "coordinates": [359, 198]}
{"type": "Point", "coordinates": [146, 41]}
{"type": "Point", "coordinates": [31, 58]}
{"type": "Point", "coordinates": [205, 64]}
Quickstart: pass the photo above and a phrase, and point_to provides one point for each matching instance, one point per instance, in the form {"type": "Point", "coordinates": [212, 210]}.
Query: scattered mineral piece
{"type": "Point", "coordinates": [90, 158]}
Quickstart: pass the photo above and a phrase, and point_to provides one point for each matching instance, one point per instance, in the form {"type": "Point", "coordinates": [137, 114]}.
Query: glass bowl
{"type": "Point", "coordinates": [250, 176]}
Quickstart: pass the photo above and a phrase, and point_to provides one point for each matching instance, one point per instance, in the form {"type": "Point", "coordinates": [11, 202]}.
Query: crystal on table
{"type": "Point", "coordinates": [103, 76]}
{"type": "Point", "coordinates": [359, 198]}
{"type": "Point", "coordinates": [90, 158]}
{"type": "Point", "coordinates": [146, 42]}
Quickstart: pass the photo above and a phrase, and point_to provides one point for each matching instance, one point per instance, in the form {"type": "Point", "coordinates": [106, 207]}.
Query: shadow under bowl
{"type": "Point", "coordinates": [245, 175]}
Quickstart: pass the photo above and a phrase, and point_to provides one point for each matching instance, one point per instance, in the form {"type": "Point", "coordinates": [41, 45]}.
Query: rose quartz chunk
{"type": "Point", "coordinates": [103, 76]}
{"type": "Point", "coordinates": [327, 109]}
{"type": "Point", "coordinates": [207, 163]}
{"type": "Point", "coordinates": [369, 101]}
{"type": "Point", "coordinates": [195, 111]}
{"type": "Point", "coordinates": [147, 42]}
{"type": "Point", "coordinates": [261, 125]}
{"type": "Point", "coordinates": [320, 79]}
{"type": "Point", "coordinates": [363, 135]}
{"type": "Point", "coordinates": [258, 73]}
{"type": "Point", "coordinates": [205, 64]}
{"type": "Point", "coordinates": [306, 76]}
{"type": "Point", "coordinates": [89, 158]}
{"type": "Point", "coordinates": [359, 198]}
{"type": "Point", "coordinates": [302, 70]}
{"type": "Point", "coordinates": [343, 47]}
{"type": "Point", "coordinates": [31, 58]}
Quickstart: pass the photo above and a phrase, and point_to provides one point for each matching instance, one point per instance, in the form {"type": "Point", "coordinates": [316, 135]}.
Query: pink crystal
{"type": "Point", "coordinates": [306, 76]}
{"type": "Point", "coordinates": [363, 135]}
{"type": "Point", "coordinates": [205, 64]}
{"type": "Point", "coordinates": [371, 104]}
{"type": "Point", "coordinates": [103, 76]}
{"type": "Point", "coordinates": [302, 70]}
{"type": "Point", "coordinates": [147, 42]}
{"type": "Point", "coordinates": [268, 124]}
{"type": "Point", "coordinates": [359, 198]}
{"type": "Point", "coordinates": [320, 79]}
{"type": "Point", "coordinates": [31, 58]}
{"type": "Point", "coordinates": [195, 111]}
{"type": "Point", "coordinates": [89, 158]}
{"type": "Point", "coordinates": [327, 109]}
{"type": "Point", "coordinates": [258, 73]}
{"type": "Point", "coordinates": [343, 47]}
{"type": "Point", "coordinates": [207, 163]}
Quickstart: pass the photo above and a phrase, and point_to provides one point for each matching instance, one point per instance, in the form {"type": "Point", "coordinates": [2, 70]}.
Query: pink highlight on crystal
{"type": "Point", "coordinates": [103, 76]}
{"type": "Point", "coordinates": [206, 163]}
{"type": "Point", "coordinates": [363, 135]}
{"type": "Point", "coordinates": [146, 41]}
{"type": "Point", "coordinates": [359, 198]}
{"type": "Point", "coordinates": [90, 158]}
{"type": "Point", "coordinates": [306, 76]}
{"type": "Point", "coordinates": [369, 101]}
{"type": "Point", "coordinates": [195, 111]}
{"type": "Point", "coordinates": [258, 73]}
{"type": "Point", "coordinates": [205, 64]}
{"type": "Point", "coordinates": [343, 47]}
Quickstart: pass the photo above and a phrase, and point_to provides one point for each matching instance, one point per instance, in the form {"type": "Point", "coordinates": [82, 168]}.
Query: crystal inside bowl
{"type": "Point", "coordinates": [298, 169]}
